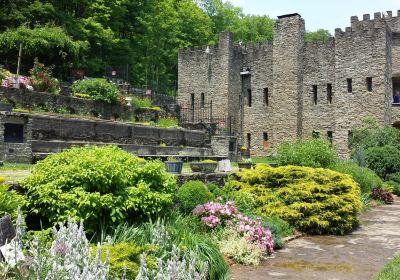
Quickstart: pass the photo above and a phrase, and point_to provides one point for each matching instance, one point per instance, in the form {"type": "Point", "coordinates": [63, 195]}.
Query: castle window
{"type": "Point", "coordinates": [349, 85]}
{"type": "Point", "coordinates": [315, 94]}
{"type": "Point", "coordinates": [249, 97]}
{"type": "Point", "coordinates": [266, 97]}
{"type": "Point", "coordinates": [13, 133]}
{"type": "Point", "coordinates": [396, 90]}
{"type": "Point", "coordinates": [315, 134]}
{"type": "Point", "coordinates": [202, 100]}
{"type": "Point", "coordinates": [248, 141]}
{"type": "Point", "coordinates": [192, 100]}
{"type": "Point", "coordinates": [265, 141]}
{"type": "Point", "coordinates": [329, 135]}
{"type": "Point", "coordinates": [369, 84]}
{"type": "Point", "coordinates": [329, 93]}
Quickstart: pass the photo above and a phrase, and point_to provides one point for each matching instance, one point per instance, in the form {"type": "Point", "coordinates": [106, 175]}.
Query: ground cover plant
{"type": "Point", "coordinates": [313, 200]}
{"type": "Point", "coordinates": [96, 89]}
{"type": "Point", "coordinates": [103, 186]}
{"type": "Point", "coordinates": [391, 271]}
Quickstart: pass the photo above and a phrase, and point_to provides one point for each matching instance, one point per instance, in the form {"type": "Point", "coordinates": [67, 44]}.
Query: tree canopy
{"type": "Point", "coordinates": [143, 36]}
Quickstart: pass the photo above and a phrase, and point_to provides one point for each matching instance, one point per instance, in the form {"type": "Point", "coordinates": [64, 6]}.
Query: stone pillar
{"type": "Point", "coordinates": [288, 48]}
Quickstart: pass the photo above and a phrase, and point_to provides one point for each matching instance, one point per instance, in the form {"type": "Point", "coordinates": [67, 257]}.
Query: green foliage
{"type": "Point", "coordinates": [167, 122]}
{"type": "Point", "coordinates": [383, 160]}
{"type": "Point", "coordinates": [394, 180]}
{"type": "Point", "coordinates": [97, 89]}
{"type": "Point", "coordinates": [391, 271]}
{"type": "Point", "coordinates": [183, 232]}
{"type": "Point", "coordinates": [312, 153]}
{"type": "Point", "coordinates": [101, 185]}
{"type": "Point", "coordinates": [10, 200]}
{"type": "Point", "coordinates": [365, 177]}
{"type": "Point", "coordinates": [42, 78]}
{"type": "Point", "coordinates": [125, 256]}
{"type": "Point", "coordinates": [191, 194]}
{"type": "Point", "coordinates": [141, 102]}
{"type": "Point", "coordinates": [319, 35]}
{"type": "Point", "coordinates": [312, 200]}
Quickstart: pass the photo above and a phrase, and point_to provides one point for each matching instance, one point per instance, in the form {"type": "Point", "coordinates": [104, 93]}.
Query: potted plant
{"type": "Point", "coordinates": [204, 166]}
{"type": "Point", "coordinates": [173, 165]}
{"type": "Point", "coordinates": [246, 163]}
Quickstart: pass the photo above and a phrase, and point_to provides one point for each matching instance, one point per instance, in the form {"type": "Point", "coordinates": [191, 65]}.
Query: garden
{"type": "Point", "coordinates": [99, 212]}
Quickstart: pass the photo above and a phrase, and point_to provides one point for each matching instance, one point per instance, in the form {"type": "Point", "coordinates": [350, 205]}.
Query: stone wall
{"type": "Point", "coordinates": [292, 70]}
{"type": "Point", "coordinates": [16, 152]}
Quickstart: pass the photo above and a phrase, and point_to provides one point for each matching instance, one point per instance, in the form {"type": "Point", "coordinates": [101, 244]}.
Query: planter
{"type": "Point", "coordinates": [203, 167]}
{"type": "Point", "coordinates": [5, 107]}
{"type": "Point", "coordinates": [245, 165]}
{"type": "Point", "coordinates": [174, 167]}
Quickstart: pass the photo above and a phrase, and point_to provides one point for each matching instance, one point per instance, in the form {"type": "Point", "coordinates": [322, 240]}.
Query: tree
{"type": "Point", "coordinates": [319, 35]}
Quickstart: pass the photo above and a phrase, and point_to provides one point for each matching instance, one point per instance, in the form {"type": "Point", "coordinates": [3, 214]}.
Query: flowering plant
{"type": "Point", "coordinates": [214, 214]}
{"type": "Point", "coordinates": [13, 82]}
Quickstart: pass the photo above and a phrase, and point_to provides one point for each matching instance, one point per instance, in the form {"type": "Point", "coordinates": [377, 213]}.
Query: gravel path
{"type": "Point", "coordinates": [359, 255]}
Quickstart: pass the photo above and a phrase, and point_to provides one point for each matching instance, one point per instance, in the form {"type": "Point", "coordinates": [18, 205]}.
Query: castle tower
{"type": "Point", "coordinates": [288, 45]}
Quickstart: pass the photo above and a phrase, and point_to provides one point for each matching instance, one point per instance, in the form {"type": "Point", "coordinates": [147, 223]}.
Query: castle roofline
{"type": "Point", "coordinates": [289, 15]}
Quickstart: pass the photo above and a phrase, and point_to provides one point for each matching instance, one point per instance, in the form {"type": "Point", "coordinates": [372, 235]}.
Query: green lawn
{"type": "Point", "coordinates": [391, 271]}
{"type": "Point", "coordinates": [14, 172]}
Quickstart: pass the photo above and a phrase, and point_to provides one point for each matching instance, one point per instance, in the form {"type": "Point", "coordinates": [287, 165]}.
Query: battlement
{"type": "Point", "coordinates": [379, 20]}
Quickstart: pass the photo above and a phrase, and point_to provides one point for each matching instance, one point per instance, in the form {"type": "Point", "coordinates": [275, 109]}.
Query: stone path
{"type": "Point", "coordinates": [357, 256]}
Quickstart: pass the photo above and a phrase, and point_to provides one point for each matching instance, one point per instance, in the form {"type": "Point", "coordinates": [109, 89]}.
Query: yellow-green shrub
{"type": "Point", "coordinates": [10, 200]}
{"type": "Point", "coordinates": [313, 200]}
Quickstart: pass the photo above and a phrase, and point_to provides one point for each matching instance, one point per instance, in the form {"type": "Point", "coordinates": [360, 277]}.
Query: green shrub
{"type": "Point", "coordinates": [125, 256]}
{"type": "Point", "coordinates": [394, 180]}
{"type": "Point", "coordinates": [383, 160]}
{"type": "Point", "coordinates": [191, 194]}
{"type": "Point", "coordinates": [391, 271]}
{"type": "Point", "coordinates": [101, 185]}
{"type": "Point", "coordinates": [312, 200]}
{"type": "Point", "coordinates": [366, 178]}
{"type": "Point", "coordinates": [10, 200]}
{"type": "Point", "coordinates": [98, 90]}
{"type": "Point", "coordinates": [141, 102]}
{"type": "Point", "coordinates": [167, 122]}
{"type": "Point", "coordinates": [312, 153]}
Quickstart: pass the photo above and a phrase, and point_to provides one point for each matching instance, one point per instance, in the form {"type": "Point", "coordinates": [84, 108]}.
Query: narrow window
{"type": "Point", "coordinates": [396, 90]}
{"type": "Point", "coordinates": [249, 97]}
{"type": "Point", "coordinates": [329, 135]}
{"type": "Point", "coordinates": [202, 100]}
{"type": "Point", "coordinates": [350, 138]}
{"type": "Point", "coordinates": [266, 97]}
{"type": "Point", "coordinates": [248, 141]}
{"type": "Point", "coordinates": [13, 133]}
{"type": "Point", "coordinates": [369, 84]}
{"type": "Point", "coordinates": [349, 85]}
{"type": "Point", "coordinates": [265, 141]}
{"type": "Point", "coordinates": [329, 93]}
{"type": "Point", "coordinates": [315, 134]}
{"type": "Point", "coordinates": [315, 94]}
{"type": "Point", "coordinates": [192, 100]}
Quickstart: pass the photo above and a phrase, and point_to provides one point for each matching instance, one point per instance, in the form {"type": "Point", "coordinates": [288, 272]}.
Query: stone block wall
{"type": "Point", "coordinates": [292, 70]}
{"type": "Point", "coordinates": [16, 152]}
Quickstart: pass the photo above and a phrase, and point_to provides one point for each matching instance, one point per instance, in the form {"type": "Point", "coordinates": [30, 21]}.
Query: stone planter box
{"type": "Point", "coordinates": [146, 115]}
{"type": "Point", "coordinates": [5, 107]}
{"type": "Point", "coordinates": [203, 167]}
{"type": "Point", "coordinates": [245, 165]}
{"type": "Point", "coordinates": [174, 167]}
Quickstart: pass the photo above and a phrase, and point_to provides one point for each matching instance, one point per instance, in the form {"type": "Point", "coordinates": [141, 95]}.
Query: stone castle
{"type": "Point", "coordinates": [290, 88]}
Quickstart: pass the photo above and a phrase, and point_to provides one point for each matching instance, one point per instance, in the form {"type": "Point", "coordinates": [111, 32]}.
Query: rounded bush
{"type": "Point", "coordinates": [312, 153]}
{"type": "Point", "coordinates": [383, 160]}
{"type": "Point", "coordinates": [97, 90]}
{"type": "Point", "coordinates": [191, 194]}
{"type": "Point", "coordinates": [101, 185]}
{"type": "Point", "coordinates": [313, 200]}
